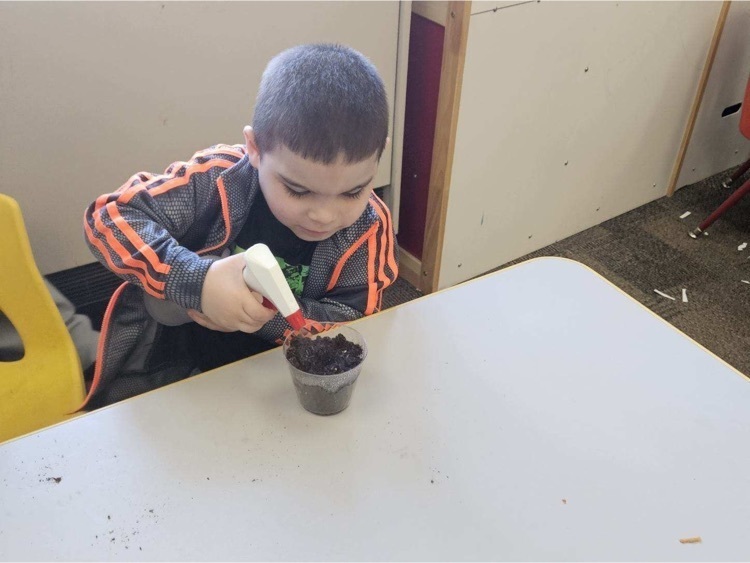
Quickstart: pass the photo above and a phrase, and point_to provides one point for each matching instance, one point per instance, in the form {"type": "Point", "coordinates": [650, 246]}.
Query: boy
{"type": "Point", "coordinates": [302, 184]}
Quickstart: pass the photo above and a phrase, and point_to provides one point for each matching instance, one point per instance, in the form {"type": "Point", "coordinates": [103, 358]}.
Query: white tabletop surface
{"type": "Point", "coordinates": [537, 413]}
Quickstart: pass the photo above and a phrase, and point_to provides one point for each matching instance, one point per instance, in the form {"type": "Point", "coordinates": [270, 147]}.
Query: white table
{"type": "Point", "coordinates": [537, 413]}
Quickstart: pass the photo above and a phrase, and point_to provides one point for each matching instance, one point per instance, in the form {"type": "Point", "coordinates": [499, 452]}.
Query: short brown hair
{"type": "Point", "coordinates": [320, 101]}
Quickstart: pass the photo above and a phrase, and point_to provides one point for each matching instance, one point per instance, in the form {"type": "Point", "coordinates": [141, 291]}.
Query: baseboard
{"type": "Point", "coordinates": [410, 268]}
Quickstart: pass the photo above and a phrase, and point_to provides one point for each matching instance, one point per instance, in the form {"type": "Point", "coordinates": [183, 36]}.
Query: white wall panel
{"type": "Point", "coordinates": [571, 113]}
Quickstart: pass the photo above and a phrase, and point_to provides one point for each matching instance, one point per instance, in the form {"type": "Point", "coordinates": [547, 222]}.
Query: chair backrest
{"type": "Point", "coordinates": [47, 383]}
{"type": "Point", "coordinates": [745, 116]}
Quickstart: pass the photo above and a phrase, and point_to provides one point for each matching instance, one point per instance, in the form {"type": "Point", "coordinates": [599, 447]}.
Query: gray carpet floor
{"type": "Point", "coordinates": [649, 248]}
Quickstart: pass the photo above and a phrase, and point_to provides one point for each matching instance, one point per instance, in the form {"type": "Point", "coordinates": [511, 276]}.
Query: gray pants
{"type": "Point", "coordinates": [84, 336]}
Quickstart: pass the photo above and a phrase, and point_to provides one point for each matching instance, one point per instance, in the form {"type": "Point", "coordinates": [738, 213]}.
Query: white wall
{"type": "Point", "coordinates": [528, 106]}
{"type": "Point", "coordinates": [92, 92]}
{"type": "Point", "coordinates": [716, 143]}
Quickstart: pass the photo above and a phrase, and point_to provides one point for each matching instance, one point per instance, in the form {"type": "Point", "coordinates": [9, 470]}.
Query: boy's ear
{"type": "Point", "coordinates": [252, 148]}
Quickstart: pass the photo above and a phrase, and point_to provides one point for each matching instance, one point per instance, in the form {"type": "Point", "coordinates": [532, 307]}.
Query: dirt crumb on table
{"type": "Point", "coordinates": [696, 539]}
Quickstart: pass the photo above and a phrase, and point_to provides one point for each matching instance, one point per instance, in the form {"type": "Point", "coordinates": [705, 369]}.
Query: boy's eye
{"type": "Point", "coordinates": [295, 192]}
{"type": "Point", "coordinates": [354, 194]}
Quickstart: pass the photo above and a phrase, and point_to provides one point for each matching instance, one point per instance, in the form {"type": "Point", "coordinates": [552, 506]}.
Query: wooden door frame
{"type": "Point", "coordinates": [424, 274]}
{"type": "Point", "coordinates": [449, 98]}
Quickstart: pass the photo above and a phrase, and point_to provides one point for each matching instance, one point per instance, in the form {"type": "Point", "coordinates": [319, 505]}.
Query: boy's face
{"type": "Point", "coordinates": [314, 200]}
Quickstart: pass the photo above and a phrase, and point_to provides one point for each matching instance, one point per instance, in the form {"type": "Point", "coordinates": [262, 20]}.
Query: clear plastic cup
{"type": "Point", "coordinates": [327, 394]}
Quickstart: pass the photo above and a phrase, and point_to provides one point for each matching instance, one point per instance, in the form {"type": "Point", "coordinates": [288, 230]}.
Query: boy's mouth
{"type": "Point", "coordinates": [315, 234]}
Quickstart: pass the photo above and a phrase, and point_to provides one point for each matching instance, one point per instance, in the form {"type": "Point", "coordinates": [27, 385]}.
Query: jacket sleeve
{"type": "Point", "coordinates": [135, 230]}
{"type": "Point", "coordinates": [358, 280]}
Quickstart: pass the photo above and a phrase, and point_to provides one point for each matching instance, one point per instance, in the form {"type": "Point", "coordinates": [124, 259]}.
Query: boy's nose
{"type": "Point", "coordinates": [321, 216]}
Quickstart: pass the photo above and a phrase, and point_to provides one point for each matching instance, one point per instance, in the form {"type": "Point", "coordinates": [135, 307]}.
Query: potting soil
{"type": "Point", "coordinates": [324, 355]}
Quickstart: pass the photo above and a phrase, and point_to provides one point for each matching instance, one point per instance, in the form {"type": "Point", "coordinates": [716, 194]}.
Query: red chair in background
{"type": "Point", "coordinates": [740, 192]}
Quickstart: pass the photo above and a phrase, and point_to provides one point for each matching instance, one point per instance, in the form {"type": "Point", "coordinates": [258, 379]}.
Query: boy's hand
{"type": "Point", "coordinates": [228, 304]}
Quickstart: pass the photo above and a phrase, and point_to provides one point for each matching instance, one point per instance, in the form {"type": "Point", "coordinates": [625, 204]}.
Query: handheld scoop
{"type": "Point", "coordinates": [263, 274]}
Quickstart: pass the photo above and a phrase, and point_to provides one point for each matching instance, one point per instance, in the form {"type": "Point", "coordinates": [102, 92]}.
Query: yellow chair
{"type": "Point", "coordinates": [46, 384]}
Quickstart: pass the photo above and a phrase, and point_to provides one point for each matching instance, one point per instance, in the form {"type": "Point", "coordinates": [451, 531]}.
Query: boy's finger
{"type": "Point", "coordinates": [245, 327]}
{"type": "Point", "coordinates": [268, 314]}
{"type": "Point", "coordinates": [219, 328]}
{"type": "Point", "coordinates": [264, 301]}
{"type": "Point", "coordinates": [257, 313]}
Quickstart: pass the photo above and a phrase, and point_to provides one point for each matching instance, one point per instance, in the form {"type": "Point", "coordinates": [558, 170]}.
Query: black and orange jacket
{"type": "Point", "coordinates": [155, 231]}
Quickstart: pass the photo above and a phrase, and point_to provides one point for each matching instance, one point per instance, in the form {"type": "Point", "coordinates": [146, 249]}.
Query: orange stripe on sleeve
{"type": "Point", "coordinates": [170, 172]}
{"type": "Point", "coordinates": [177, 182]}
{"type": "Point", "coordinates": [372, 288]}
{"type": "Point", "coordinates": [391, 253]}
{"type": "Point", "coordinates": [125, 256]}
{"type": "Point", "coordinates": [351, 250]}
{"type": "Point", "coordinates": [101, 201]}
{"type": "Point", "coordinates": [135, 240]}
{"type": "Point", "coordinates": [135, 183]}
{"type": "Point", "coordinates": [125, 194]}
{"type": "Point", "coordinates": [383, 243]}
{"type": "Point", "coordinates": [220, 149]}
{"type": "Point", "coordinates": [147, 179]}
{"type": "Point", "coordinates": [173, 168]}
{"type": "Point", "coordinates": [174, 182]}
{"type": "Point", "coordinates": [100, 246]}
{"type": "Point", "coordinates": [142, 179]}
{"type": "Point", "coordinates": [130, 193]}
{"type": "Point", "coordinates": [225, 214]}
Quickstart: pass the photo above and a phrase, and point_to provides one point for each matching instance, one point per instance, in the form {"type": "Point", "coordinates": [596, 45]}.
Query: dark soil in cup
{"type": "Point", "coordinates": [323, 355]}
{"type": "Point", "coordinates": [318, 400]}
